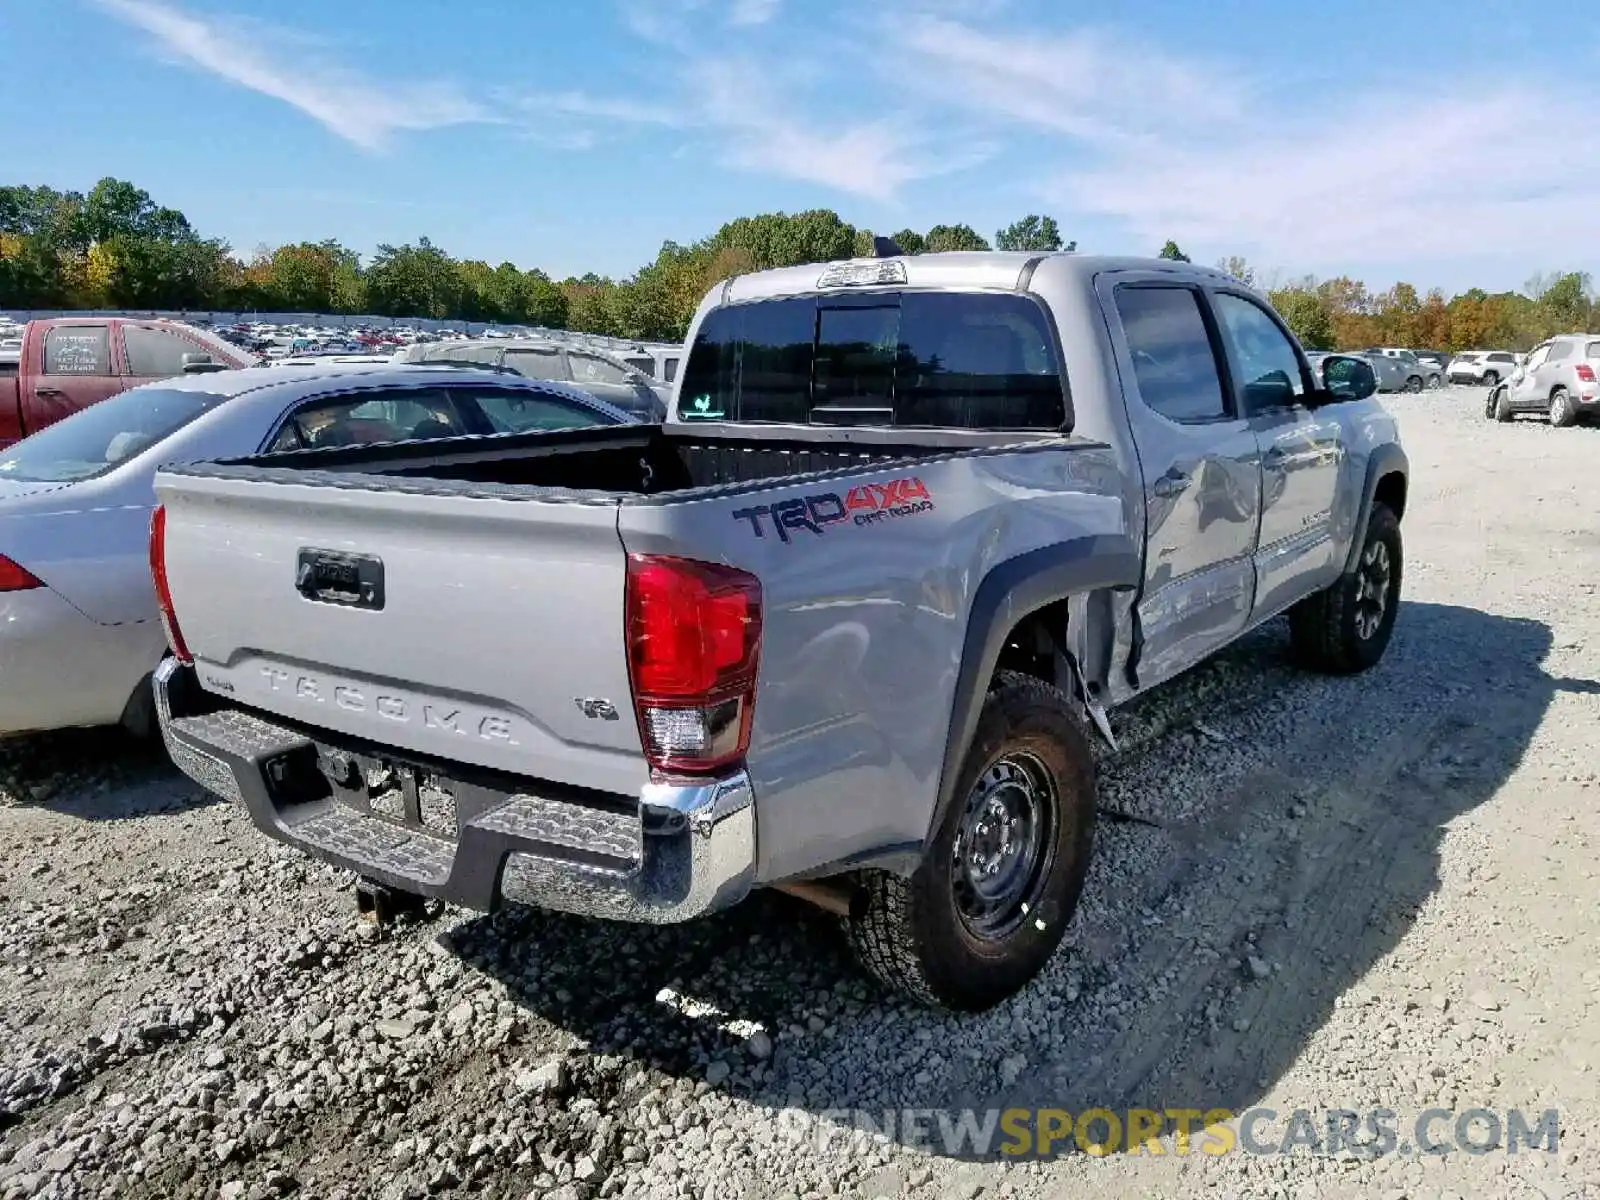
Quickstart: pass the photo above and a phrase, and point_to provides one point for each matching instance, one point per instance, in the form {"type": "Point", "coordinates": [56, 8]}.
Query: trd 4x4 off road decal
{"type": "Point", "coordinates": [867, 504]}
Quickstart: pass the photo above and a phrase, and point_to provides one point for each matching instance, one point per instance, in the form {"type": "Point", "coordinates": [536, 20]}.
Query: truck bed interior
{"type": "Point", "coordinates": [635, 459]}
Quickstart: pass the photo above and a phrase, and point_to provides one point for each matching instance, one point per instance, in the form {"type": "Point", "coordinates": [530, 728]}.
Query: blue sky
{"type": "Point", "coordinates": [1427, 140]}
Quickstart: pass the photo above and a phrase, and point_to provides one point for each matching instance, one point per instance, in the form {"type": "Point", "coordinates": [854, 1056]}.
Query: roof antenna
{"type": "Point", "coordinates": [885, 247]}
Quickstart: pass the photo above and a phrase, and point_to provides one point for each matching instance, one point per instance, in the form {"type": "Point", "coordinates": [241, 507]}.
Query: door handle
{"type": "Point", "coordinates": [1173, 483]}
{"type": "Point", "coordinates": [48, 391]}
{"type": "Point", "coordinates": [1273, 458]}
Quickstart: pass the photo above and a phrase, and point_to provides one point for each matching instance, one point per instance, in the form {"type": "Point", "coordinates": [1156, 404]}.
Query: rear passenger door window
{"type": "Point", "coordinates": [371, 417]}
{"type": "Point", "coordinates": [155, 353]}
{"type": "Point", "coordinates": [586, 368]}
{"type": "Point", "coordinates": [537, 364]}
{"type": "Point", "coordinates": [1174, 361]}
{"type": "Point", "coordinates": [1266, 366]}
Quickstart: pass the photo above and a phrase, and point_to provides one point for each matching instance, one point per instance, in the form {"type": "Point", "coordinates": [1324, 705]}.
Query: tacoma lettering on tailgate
{"type": "Point", "coordinates": [867, 504]}
{"type": "Point", "coordinates": [405, 709]}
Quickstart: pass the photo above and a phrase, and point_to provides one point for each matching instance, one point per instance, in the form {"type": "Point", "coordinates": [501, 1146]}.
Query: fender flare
{"type": "Point", "coordinates": [1387, 459]}
{"type": "Point", "coordinates": [1009, 592]}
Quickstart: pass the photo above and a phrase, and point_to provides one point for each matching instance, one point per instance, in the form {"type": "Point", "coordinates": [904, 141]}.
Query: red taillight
{"type": "Point", "coordinates": [1585, 372]}
{"type": "Point", "coordinates": [158, 576]}
{"type": "Point", "coordinates": [16, 579]}
{"type": "Point", "coordinates": [694, 633]}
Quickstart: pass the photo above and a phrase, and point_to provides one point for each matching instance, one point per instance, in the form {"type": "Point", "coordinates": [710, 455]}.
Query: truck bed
{"type": "Point", "coordinates": [627, 461]}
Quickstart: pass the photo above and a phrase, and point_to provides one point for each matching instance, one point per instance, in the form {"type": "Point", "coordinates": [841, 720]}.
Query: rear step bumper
{"type": "Point", "coordinates": [685, 850]}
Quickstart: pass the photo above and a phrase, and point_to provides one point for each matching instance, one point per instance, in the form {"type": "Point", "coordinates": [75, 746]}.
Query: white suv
{"type": "Point", "coordinates": [1481, 366]}
{"type": "Point", "coordinates": [1561, 378]}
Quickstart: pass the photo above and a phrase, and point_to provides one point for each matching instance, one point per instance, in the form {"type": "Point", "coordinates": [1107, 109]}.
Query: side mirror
{"type": "Point", "coordinates": [1348, 378]}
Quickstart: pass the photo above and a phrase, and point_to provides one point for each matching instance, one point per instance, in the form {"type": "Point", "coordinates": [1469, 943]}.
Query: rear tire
{"type": "Point", "coordinates": [1563, 412]}
{"type": "Point", "coordinates": [1435, 382]}
{"type": "Point", "coordinates": [1491, 378]}
{"type": "Point", "coordinates": [988, 906]}
{"type": "Point", "coordinates": [1346, 628]}
{"type": "Point", "coordinates": [1414, 383]}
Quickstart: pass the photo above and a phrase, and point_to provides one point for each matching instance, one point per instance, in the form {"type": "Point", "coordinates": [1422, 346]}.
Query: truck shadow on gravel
{"type": "Point", "coordinates": [95, 775]}
{"type": "Point", "coordinates": [1280, 833]}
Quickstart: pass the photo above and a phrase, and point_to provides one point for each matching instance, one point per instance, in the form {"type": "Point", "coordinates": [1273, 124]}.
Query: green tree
{"type": "Point", "coordinates": [1171, 252]}
{"type": "Point", "coordinates": [1304, 312]}
{"type": "Point", "coordinates": [953, 237]}
{"type": "Point", "coordinates": [1033, 232]}
{"type": "Point", "coordinates": [910, 241]}
{"type": "Point", "coordinates": [414, 281]}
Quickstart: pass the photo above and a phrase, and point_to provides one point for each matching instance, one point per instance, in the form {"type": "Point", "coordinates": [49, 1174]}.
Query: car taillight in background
{"type": "Point", "coordinates": [694, 634]}
{"type": "Point", "coordinates": [158, 577]}
{"type": "Point", "coordinates": [14, 578]}
{"type": "Point", "coordinates": [1585, 372]}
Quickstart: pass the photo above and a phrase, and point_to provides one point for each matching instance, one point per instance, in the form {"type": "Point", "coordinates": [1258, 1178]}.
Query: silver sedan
{"type": "Point", "coordinates": [79, 629]}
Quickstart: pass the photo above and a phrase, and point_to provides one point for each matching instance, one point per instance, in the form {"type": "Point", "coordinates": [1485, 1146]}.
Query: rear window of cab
{"type": "Point", "coordinates": [950, 360]}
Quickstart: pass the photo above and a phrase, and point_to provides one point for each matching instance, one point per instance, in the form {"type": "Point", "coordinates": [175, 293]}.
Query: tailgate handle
{"type": "Point", "coordinates": [334, 577]}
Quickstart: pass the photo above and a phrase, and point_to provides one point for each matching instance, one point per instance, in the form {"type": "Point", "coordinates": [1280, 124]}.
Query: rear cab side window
{"type": "Point", "coordinates": [949, 360]}
{"type": "Point", "coordinates": [155, 353]}
{"type": "Point", "coordinates": [1593, 352]}
{"type": "Point", "coordinates": [1560, 351]}
{"type": "Point", "coordinates": [77, 350]}
{"type": "Point", "coordinates": [1174, 360]}
{"type": "Point", "coordinates": [517, 410]}
{"type": "Point", "coordinates": [395, 415]}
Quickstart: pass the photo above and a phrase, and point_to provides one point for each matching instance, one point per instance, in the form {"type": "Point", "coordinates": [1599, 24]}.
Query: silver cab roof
{"type": "Point", "coordinates": [957, 269]}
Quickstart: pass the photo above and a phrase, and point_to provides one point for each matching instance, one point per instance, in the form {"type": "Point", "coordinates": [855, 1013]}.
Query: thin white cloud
{"type": "Point", "coordinates": [1225, 158]}
{"type": "Point", "coordinates": [764, 131]}
{"type": "Point", "coordinates": [1092, 84]}
{"type": "Point", "coordinates": [605, 108]}
{"type": "Point", "coordinates": [1372, 183]}
{"type": "Point", "coordinates": [365, 113]}
{"type": "Point", "coordinates": [752, 12]}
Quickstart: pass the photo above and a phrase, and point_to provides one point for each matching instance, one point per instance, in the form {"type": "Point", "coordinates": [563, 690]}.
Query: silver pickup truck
{"type": "Point", "coordinates": [843, 624]}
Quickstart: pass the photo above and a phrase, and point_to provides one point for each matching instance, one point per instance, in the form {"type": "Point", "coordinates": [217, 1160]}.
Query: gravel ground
{"type": "Point", "coordinates": [1308, 892]}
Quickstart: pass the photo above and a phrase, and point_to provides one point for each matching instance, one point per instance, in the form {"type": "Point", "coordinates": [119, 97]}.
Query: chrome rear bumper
{"type": "Point", "coordinates": [677, 851]}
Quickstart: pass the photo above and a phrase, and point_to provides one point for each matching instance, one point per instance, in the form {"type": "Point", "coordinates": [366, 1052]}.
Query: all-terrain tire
{"type": "Point", "coordinates": [910, 933]}
{"type": "Point", "coordinates": [1334, 630]}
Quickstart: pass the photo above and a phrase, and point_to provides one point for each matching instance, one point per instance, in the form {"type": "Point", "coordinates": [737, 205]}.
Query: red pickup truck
{"type": "Point", "coordinates": [68, 363]}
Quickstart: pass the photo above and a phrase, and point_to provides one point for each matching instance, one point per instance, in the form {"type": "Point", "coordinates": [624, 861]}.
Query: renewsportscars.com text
{"type": "Point", "coordinates": [1023, 1133]}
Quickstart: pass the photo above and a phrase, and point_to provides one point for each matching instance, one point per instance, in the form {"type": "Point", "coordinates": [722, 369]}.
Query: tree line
{"type": "Point", "coordinates": [114, 247]}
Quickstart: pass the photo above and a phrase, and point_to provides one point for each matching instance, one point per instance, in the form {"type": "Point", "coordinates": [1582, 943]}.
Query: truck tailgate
{"type": "Point", "coordinates": [466, 628]}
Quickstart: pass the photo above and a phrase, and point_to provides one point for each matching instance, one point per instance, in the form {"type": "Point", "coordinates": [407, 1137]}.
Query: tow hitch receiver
{"type": "Point", "coordinates": [380, 907]}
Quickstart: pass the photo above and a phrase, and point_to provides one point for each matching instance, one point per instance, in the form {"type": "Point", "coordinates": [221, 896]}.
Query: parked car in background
{"type": "Point", "coordinates": [1561, 378]}
{"type": "Point", "coordinates": [1418, 374]}
{"type": "Point", "coordinates": [1392, 374]}
{"type": "Point", "coordinates": [596, 372]}
{"type": "Point", "coordinates": [80, 633]}
{"type": "Point", "coordinates": [1436, 360]}
{"type": "Point", "coordinates": [1482, 366]}
{"type": "Point", "coordinates": [69, 363]}
{"type": "Point", "coordinates": [659, 362]}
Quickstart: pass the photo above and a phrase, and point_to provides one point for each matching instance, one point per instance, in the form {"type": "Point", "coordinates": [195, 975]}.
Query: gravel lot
{"type": "Point", "coordinates": [1307, 893]}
